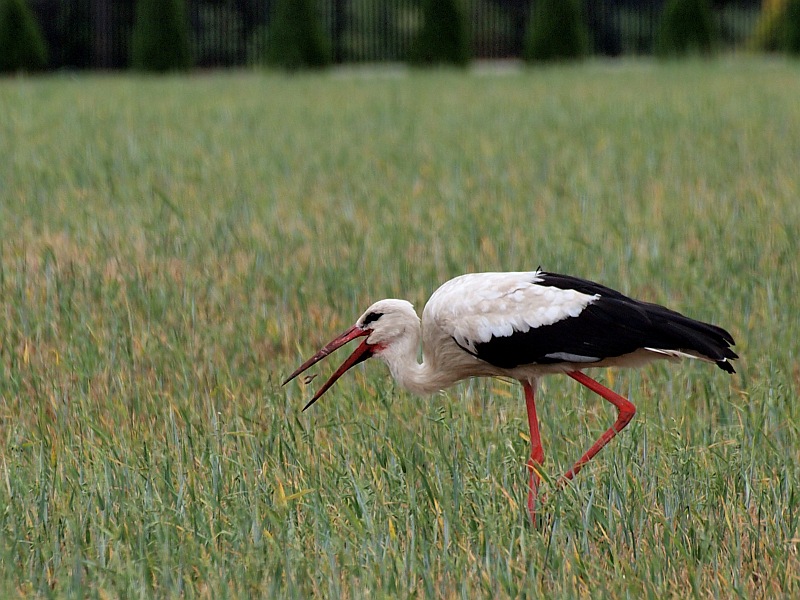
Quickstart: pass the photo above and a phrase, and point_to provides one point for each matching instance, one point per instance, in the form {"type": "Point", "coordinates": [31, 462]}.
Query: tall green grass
{"type": "Point", "coordinates": [170, 249]}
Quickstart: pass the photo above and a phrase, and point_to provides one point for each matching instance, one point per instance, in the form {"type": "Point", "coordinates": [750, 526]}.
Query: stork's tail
{"type": "Point", "coordinates": [697, 339]}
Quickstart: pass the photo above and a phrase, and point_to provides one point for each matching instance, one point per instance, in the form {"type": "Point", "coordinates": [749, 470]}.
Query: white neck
{"type": "Point", "coordinates": [419, 378]}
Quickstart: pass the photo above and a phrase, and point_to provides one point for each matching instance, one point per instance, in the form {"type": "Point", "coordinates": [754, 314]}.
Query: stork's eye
{"type": "Point", "coordinates": [372, 317]}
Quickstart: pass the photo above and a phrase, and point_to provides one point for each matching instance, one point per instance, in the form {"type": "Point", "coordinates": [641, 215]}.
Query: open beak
{"type": "Point", "coordinates": [362, 353]}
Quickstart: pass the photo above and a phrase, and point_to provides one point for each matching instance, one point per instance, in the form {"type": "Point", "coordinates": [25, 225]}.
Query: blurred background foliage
{"type": "Point", "coordinates": [83, 34]}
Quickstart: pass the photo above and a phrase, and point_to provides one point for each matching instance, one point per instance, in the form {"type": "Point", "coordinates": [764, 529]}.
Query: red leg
{"type": "Point", "coordinates": [625, 412]}
{"type": "Point", "coordinates": [537, 452]}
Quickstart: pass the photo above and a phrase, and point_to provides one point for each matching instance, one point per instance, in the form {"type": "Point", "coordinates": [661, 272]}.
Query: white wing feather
{"type": "Point", "coordinates": [474, 308]}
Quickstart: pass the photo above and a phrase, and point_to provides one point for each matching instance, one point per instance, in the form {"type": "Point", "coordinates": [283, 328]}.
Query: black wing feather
{"type": "Point", "coordinates": [611, 326]}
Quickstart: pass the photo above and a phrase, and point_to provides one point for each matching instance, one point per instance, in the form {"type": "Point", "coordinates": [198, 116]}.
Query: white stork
{"type": "Point", "coordinates": [525, 325]}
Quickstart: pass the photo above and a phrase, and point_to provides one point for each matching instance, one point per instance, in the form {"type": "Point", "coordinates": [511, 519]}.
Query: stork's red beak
{"type": "Point", "coordinates": [362, 353]}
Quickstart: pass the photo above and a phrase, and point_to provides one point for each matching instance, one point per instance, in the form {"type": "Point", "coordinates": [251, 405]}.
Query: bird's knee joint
{"type": "Point", "coordinates": [626, 413]}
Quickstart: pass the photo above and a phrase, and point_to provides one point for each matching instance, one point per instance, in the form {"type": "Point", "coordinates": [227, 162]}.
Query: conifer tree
{"type": "Point", "coordinates": [443, 38]}
{"type": "Point", "coordinates": [160, 40]}
{"type": "Point", "coordinates": [296, 38]}
{"type": "Point", "coordinates": [22, 45]}
{"type": "Point", "coordinates": [686, 27]}
{"type": "Point", "coordinates": [557, 31]}
{"type": "Point", "coordinates": [791, 28]}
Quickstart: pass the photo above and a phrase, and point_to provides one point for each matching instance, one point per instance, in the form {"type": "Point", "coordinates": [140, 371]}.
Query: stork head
{"type": "Point", "coordinates": [382, 324]}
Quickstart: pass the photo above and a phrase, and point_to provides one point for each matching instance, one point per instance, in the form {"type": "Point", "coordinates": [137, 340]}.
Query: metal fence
{"type": "Point", "coordinates": [231, 33]}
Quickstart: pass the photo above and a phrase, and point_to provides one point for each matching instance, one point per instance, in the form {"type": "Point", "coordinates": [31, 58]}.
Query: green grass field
{"type": "Point", "coordinates": [171, 248]}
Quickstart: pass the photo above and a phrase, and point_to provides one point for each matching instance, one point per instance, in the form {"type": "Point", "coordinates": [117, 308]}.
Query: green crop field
{"type": "Point", "coordinates": [171, 248]}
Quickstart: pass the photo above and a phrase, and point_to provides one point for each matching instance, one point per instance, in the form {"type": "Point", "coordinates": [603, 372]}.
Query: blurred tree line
{"type": "Point", "coordinates": [81, 34]}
